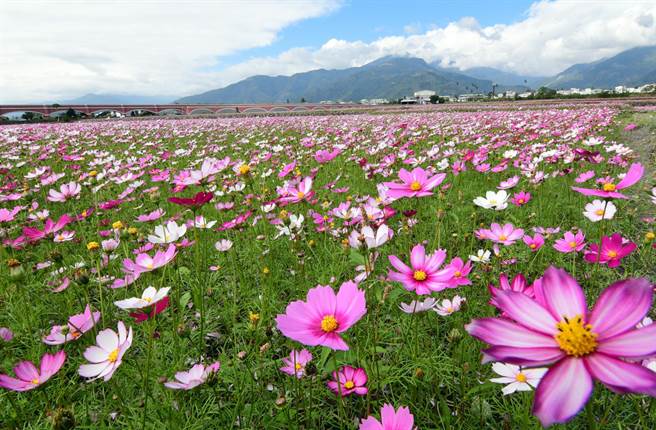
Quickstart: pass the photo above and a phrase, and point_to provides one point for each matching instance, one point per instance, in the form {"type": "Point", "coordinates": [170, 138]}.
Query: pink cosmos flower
{"type": "Point", "coordinates": [63, 236]}
{"type": "Point", "coordinates": [506, 235]}
{"type": "Point", "coordinates": [570, 242]}
{"type": "Point", "coordinates": [446, 307]}
{"type": "Point", "coordinates": [286, 169]}
{"type": "Point", "coordinates": [534, 242]}
{"type": "Point", "coordinates": [580, 346]}
{"type": "Point", "coordinates": [520, 198]}
{"type": "Point", "coordinates": [401, 419]}
{"type": "Point", "coordinates": [77, 325]}
{"type": "Point", "coordinates": [66, 191]}
{"type": "Point", "coordinates": [518, 284]}
{"type": "Point", "coordinates": [300, 192]}
{"type": "Point", "coordinates": [194, 377]}
{"type": "Point", "coordinates": [613, 249]}
{"type": "Point", "coordinates": [29, 377]}
{"type": "Point", "coordinates": [294, 365]}
{"type": "Point", "coordinates": [152, 216]}
{"type": "Point", "coordinates": [6, 334]}
{"type": "Point", "coordinates": [34, 234]}
{"type": "Point", "coordinates": [323, 316]}
{"type": "Point", "coordinates": [146, 263]}
{"type": "Point", "coordinates": [106, 356]}
{"type": "Point", "coordinates": [7, 215]}
{"type": "Point", "coordinates": [509, 183]}
{"type": "Point", "coordinates": [609, 189]}
{"type": "Point", "coordinates": [150, 312]}
{"type": "Point", "coordinates": [414, 184]}
{"type": "Point", "coordinates": [425, 275]}
{"type": "Point", "coordinates": [461, 271]}
{"type": "Point", "coordinates": [350, 380]}
{"type": "Point", "coordinates": [584, 177]}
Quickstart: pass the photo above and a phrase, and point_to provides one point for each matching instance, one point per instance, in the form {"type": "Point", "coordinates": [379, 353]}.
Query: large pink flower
{"type": "Point", "coordinates": [77, 325]}
{"type": "Point", "coordinates": [609, 189]}
{"type": "Point", "coordinates": [401, 419]}
{"type": "Point", "coordinates": [29, 377]}
{"type": "Point", "coordinates": [425, 275]}
{"type": "Point", "coordinates": [324, 316]}
{"type": "Point", "coordinates": [505, 235]}
{"type": "Point", "coordinates": [580, 346]}
{"type": "Point", "coordinates": [414, 184]}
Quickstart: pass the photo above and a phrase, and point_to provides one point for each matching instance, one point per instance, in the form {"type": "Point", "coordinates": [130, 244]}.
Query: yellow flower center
{"type": "Point", "coordinates": [520, 377]}
{"type": "Point", "coordinates": [599, 212]}
{"type": "Point", "coordinates": [575, 337]}
{"type": "Point", "coordinates": [612, 254]}
{"type": "Point", "coordinates": [503, 237]}
{"type": "Point", "coordinates": [298, 366]}
{"type": "Point", "coordinates": [148, 300]}
{"type": "Point", "coordinates": [609, 186]}
{"type": "Point", "coordinates": [113, 356]}
{"type": "Point", "coordinates": [532, 246]}
{"type": "Point", "coordinates": [35, 381]}
{"type": "Point", "coordinates": [244, 169]}
{"type": "Point", "coordinates": [419, 275]}
{"type": "Point", "coordinates": [521, 201]}
{"type": "Point", "coordinates": [149, 265]}
{"type": "Point", "coordinates": [572, 244]}
{"type": "Point", "coordinates": [349, 384]}
{"type": "Point", "coordinates": [415, 186]}
{"type": "Point", "coordinates": [300, 194]}
{"type": "Point", "coordinates": [329, 324]}
{"type": "Point", "coordinates": [457, 274]}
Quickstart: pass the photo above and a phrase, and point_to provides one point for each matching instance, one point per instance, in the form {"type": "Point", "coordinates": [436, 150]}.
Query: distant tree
{"type": "Point", "coordinates": [28, 116]}
{"type": "Point", "coordinates": [287, 101]}
{"type": "Point", "coordinates": [70, 114]}
{"type": "Point", "coordinates": [302, 99]}
{"type": "Point", "coordinates": [545, 93]}
{"type": "Point", "coordinates": [434, 99]}
{"type": "Point", "coordinates": [56, 105]}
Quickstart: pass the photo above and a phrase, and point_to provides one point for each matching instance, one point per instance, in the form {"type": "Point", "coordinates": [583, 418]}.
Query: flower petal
{"type": "Point", "coordinates": [502, 332]}
{"type": "Point", "coordinates": [562, 295]}
{"type": "Point", "coordinates": [526, 311]}
{"type": "Point", "coordinates": [620, 376]}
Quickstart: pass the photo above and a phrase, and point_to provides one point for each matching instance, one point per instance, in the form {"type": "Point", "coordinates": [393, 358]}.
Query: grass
{"type": "Point", "coordinates": [423, 361]}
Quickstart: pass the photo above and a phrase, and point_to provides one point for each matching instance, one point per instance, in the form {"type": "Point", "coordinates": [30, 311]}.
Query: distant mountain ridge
{"type": "Point", "coordinates": [388, 77]}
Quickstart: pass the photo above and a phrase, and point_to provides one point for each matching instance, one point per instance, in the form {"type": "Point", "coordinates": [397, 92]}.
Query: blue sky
{"type": "Point", "coordinates": [368, 20]}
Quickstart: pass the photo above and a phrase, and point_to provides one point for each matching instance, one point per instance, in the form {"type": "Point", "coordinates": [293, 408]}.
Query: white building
{"type": "Point", "coordinates": [424, 96]}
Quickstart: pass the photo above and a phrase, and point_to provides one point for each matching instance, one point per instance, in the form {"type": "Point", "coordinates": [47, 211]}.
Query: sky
{"type": "Point", "coordinates": [54, 50]}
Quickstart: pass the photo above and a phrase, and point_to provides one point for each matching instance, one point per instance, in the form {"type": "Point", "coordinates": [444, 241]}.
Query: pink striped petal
{"type": "Point", "coordinates": [562, 295]}
{"type": "Point", "coordinates": [529, 357]}
{"type": "Point", "coordinates": [502, 332]}
{"type": "Point", "coordinates": [620, 307]}
{"type": "Point", "coordinates": [562, 392]}
{"type": "Point", "coordinates": [636, 344]}
{"type": "Point", "coordinates": [620, 376]}
{"type": "Point", "coordinates": [526, 311]}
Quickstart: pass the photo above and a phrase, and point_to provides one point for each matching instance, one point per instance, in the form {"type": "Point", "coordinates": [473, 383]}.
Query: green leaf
{"type": "Point", "coordinates": [356, 257]}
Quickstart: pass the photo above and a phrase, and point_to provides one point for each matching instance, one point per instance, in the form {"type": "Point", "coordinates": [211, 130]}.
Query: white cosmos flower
{"type": "Point", "coordinates": [201, 222]}
{"type": "Point", "coordinates": [378, 238]}
{"type": "Point", "coordinates": [516, 378]}
{"type": "Point", "coordinates": [149, 297]}
{"type": "Point", "coordinates": [223, 245]}
{"type": "Point", "coordinates": [653, 195]}
{"type": "Point", "coordinates": [416, 307]}
{"type": "Point", "coordinates": [595, 211]}
{"type": "Point", "coordinates": [296, 222]}
{"type": "Point", "coordinates": [511, 153]}
{"type": "Point", "coordinates": [447, 307]}
{"type": "Point", "coordinates": [493, 200]}
{"type": "Point", "coordinates": [593, 141]}
{"type": "Point", "coordinates": [482, 256]}
{"type": "Point", "coordinates": [169, 233]}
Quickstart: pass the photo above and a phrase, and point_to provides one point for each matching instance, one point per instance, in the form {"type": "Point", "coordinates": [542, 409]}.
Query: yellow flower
{"type": "Point", "coordinates": [133, 230]}
{"type": "Point", "coordinates": [91, 246]}
{"type": "Point", "coordinates": [93, 173]}
{"type": "Point", "coordinates": [244, 169]}
{"type": "Point", "coordinates": [650, 235]}
{"type": "Point", "coordinates": [253, 317]}
{"type": "Point", "coordinates": [117, 225]}
{"type": "Point", "coordinates": [266, 270]}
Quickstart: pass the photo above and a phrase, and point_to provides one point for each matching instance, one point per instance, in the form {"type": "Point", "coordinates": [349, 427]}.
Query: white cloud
{"type": "Point", "coordinates": [551, 37]}
{"type": "Point", "coordinates": [58, 49]}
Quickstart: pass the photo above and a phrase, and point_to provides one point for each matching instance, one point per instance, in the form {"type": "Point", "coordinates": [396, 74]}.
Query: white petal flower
{"type": "Point", "coordinates": [149, 297]}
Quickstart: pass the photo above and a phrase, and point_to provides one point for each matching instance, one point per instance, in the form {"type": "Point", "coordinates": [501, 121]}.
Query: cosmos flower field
{"type": "Point", "coordinates": [487, 269]}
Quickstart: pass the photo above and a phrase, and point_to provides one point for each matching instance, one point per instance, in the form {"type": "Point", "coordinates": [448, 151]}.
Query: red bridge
{"type": "Point", "coordinates": [179, 109]}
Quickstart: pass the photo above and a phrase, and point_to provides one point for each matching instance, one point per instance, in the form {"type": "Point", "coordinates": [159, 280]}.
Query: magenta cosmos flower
{"type": "Point", "coordinates": [324, 316]}
{"type": "Point", "coordinates": [506, 235]}
{"type": "Point", "coordinates": [580, 346]}
{"type": "Point", "coordinates": [194, 202]}
{"type": "Point", "coordinates": [520, 198]}
{"type": "Point", "coordinates": [613, 249]}
{"type": "Point", "coordinates": [570, 242]}
{"type": "Point", "coordinates": [534, 242]}
{"type": "Point", "coordinates": [77, 325]}
{"type": "Point", "coordinates": [297, 193]}
{"type": "Point", "coordinates": [106, 356]}
{"type": "Point", "coordinates": [350, 379]}
{"type": "Point", "coordinates": [414, 184]}
{"type": "Point", "coordinates": [194, 377]}
{"type": "Point", "coordinates": [401, 419]}
{"type": "Point", "coordinates": [294, 365]}
{"type": "Point", "coordinates": [29, 377]}
{"type": "Point", "coordinates": [425, 275]}
{"type": "Point", "coordinates": [610, 190]}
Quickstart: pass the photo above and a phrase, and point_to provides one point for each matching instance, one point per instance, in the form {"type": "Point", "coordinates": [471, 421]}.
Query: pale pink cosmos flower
{"type": "Point", "coordinates": [63, 236]}
{"type": "Point", "coordinates": [7, 215]}
{"type": "Point", "coordinates": [504, 235]}
{"type": "Point", "coordinates": [324, 316]}
{"type": "Point", "coordinates": [77, 325]}
{"type": "Point", "coordinates": [610, 190]}
{"type": "Point", "coordinates": [416, 306]}
{"type": "Point", "coordinates": [106, 356]}
{"type": "Point", "coordinates": [294, 365]}
{"type": "Point", "coordinates": [6, 334]}
{"type": "Point", "coordinates": [348, 380]}
{"type": "Point", "coordinates": [223, 245]}
{"type": "Point", "coordinates": [447, 307]}
{"type": "Point", "coordinates": [414, 184]}
{"type": "Point", "coordinates": [509, 183]}
{"type": "Point", "coordinates": [149, 297]}
{"type": "Point", "coordinates": [192, 378]}
{"type": "Point", "coordinates": [425, 275]}
{"type": "Point", "coordinates": [146, 263]}
{"type": "Point", "coordinates": [28, 377]}
{"type": "Point", "coordinates": [301, 191]}
{"type": "Point", "coordinates": [570, 242]}
{"type": "Point", "coordinates": [401, 419]}
{"type": "Point", "coordinates": [66, 192]}
{"type": "Point", "coordinates": [578, 345]}
{"type": "Point", "coordinates": [152, 216]}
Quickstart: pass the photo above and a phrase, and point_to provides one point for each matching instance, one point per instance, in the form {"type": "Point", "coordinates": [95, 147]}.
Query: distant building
{"type": "Point", "coordinates": [408, 101]}
{"type": "Point", "coordinates": [470, 97]}
{"type": "Point", "coordinates": [423, 96]}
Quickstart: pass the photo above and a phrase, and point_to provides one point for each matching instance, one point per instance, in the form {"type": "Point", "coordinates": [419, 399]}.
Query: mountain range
{"type": "Point", "coordinates": [395, 77]}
